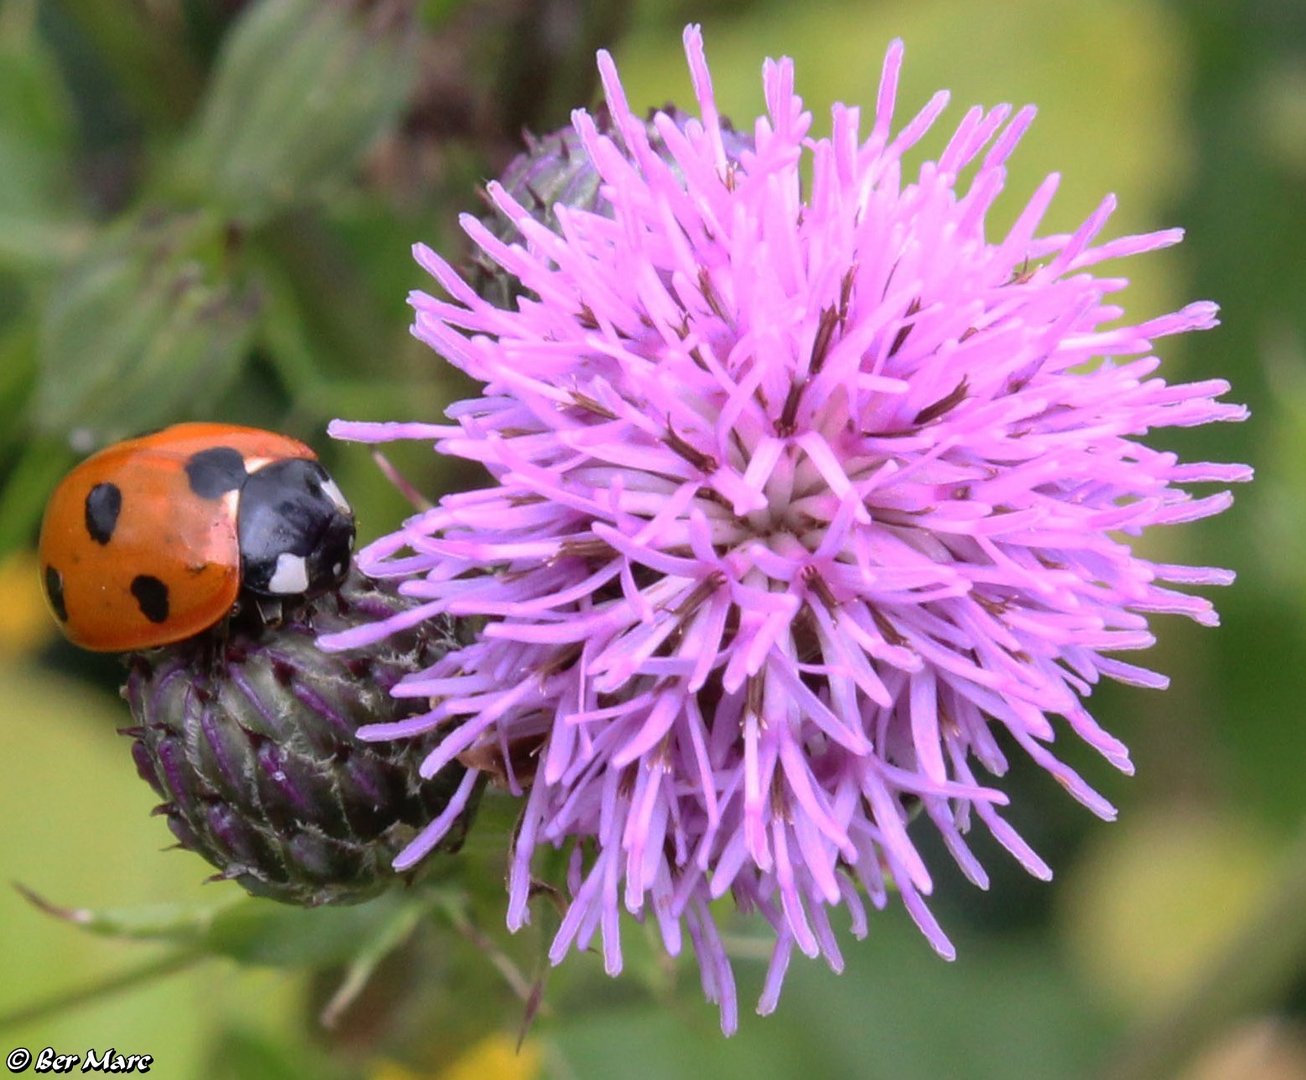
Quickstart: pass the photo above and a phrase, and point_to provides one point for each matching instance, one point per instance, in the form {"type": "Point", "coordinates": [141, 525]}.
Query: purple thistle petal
{"type": "Point", "coordinates": [433, 833]}
{"type": "Point", "coordinates": [389, 431]}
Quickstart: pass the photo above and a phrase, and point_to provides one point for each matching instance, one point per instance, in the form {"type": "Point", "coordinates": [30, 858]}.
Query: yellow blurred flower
{"type": "Point", "coordinates": [25, 624]}
{"type": "Point", "coordinates": [495, 1057]}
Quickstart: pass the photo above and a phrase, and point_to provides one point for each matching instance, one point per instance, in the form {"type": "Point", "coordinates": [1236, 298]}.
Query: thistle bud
{"type": "Point", "coordinates": [556, 170]}
{"type": "Point", "coordinates": [249, 737]}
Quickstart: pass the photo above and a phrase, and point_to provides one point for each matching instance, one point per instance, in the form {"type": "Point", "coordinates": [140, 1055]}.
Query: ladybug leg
{"type": "Point", "coordinates": [271, 609]}
{"type": "Point", "coordinates": [209, 649]}
{"type": "Point", "coordinates": [252, 613]}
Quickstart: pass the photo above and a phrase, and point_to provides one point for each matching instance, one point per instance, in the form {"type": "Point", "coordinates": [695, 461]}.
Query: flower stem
{"type": "Point", "coordinates": [168, 964]}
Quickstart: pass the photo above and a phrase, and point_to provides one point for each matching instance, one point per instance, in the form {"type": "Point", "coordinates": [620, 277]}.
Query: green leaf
{"type": "Point", "coordinates": [387, 935]}
{"type": "Point", "coordinates": [301, 89]}
{"type": "Point", "coordinates": [17, 372]}
{"type": "Point", "coordinates": [179, 924]}
{"type": "Point", "coordinates": [259, 932]}
{"type": "Point", "coordinates": [319, 282]}
{"type": "Point", "coordinates": [274, 935]}
{"type": "Point", "coordinates": [243, 1052]}
{"type": "Point", "coordinates": [29, 241]}
{"type": "Point", "coordinates": [26, 489]}
{"type": "Point", "coordinates": [37, 220]}
{"type": "Point", "coordinates": [1006, 1008]}
{"type": "Point", "coordinates": [105, 989]}
{"type": "Point", "coordinates": [145, 55]}
{"type": "Point", "coordinates": [284, 336]}
{"type": "Point", "coordinates": [149, 326]}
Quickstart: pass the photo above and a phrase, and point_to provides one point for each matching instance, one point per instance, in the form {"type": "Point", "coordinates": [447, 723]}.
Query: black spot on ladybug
{"type": "Point", "coordinates": [214, 472]}
{"type": "Point", "coordinates": [103, 504]}
{"type": "Point", "coordinates": [54, 593]}
{"type": "Point", "coordinates": [151, 597]}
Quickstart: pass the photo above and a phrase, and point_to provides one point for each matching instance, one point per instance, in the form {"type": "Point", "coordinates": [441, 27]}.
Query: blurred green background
{"type": "Point", "coordinates": [206, 208]}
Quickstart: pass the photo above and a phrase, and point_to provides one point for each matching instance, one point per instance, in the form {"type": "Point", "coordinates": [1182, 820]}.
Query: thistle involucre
{"type": "Point", "coordinates": [249, 737]}
{"type": "Point", "coordinates": [802, 493]}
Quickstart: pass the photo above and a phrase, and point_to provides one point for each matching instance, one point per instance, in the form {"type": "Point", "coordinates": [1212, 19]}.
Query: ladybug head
{"type": "Point", "coordinates": [295, 528]}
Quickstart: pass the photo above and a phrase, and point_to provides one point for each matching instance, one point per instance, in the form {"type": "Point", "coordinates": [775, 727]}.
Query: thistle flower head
{"type": "Point", "coordinates": [810, 500]}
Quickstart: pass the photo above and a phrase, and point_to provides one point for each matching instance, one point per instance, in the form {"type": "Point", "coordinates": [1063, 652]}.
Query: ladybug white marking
{"type": "Point", "coordinates": [290, 576]}
{"type": "Point", "coordinates": [334, 493]}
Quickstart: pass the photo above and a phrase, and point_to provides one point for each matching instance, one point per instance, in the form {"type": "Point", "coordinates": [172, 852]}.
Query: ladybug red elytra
{"type": "Point", "coordinates": [152, 540]}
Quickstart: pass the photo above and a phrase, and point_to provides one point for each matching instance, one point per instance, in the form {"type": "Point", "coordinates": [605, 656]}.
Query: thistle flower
{"type": "Point", "coordinates": [806, 500]}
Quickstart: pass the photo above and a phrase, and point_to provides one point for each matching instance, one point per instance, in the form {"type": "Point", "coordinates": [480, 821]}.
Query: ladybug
{"type": "Point", "coordinates": [153, 540]}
